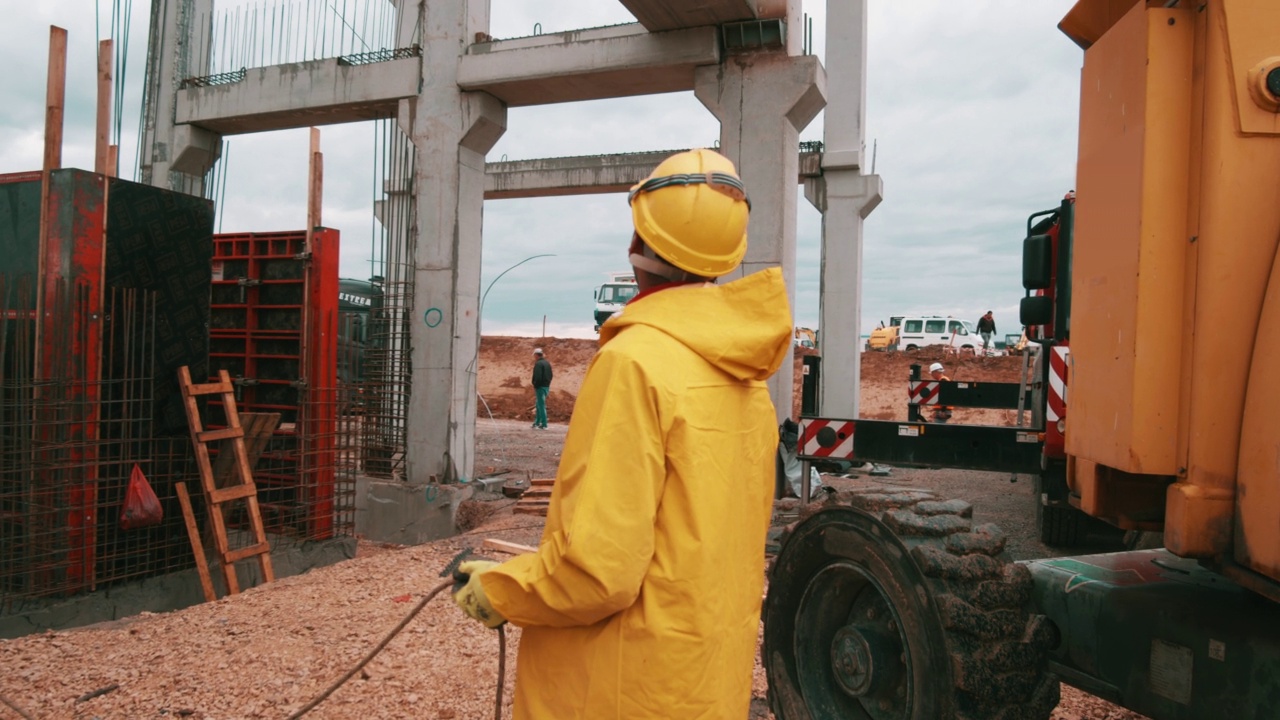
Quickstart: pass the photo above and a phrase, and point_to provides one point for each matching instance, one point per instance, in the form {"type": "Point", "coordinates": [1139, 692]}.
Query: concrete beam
{"type": "Point", "coordinates": [620, 61]}
{"type": "Point", "coordinates": [658, 15]}
{"type": "Point", "coordinates": [317, 92]}
{"type": "Point", "coordinates": [590, 174]}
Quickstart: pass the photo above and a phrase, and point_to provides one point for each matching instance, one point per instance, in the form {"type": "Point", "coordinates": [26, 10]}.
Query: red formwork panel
{"type": "Point", "coordinates": [74, 247]}
{"type": "Point", "coordinates": [78, 406]}
{"type": "Point", "coordinates": [58, 519]}
{"type": "Point", "coordinates": [273, 327]}
{"type": "Point", "coordinates": [69, 345]}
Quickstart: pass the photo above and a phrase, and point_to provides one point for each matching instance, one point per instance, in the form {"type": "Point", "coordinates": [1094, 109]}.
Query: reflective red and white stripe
{"type": "Point", "coordinates": [923, 392]}
{"type": "Point", "coordinates": [825, 438]}
{"type": "Point", "coordinates": [1057, 384]}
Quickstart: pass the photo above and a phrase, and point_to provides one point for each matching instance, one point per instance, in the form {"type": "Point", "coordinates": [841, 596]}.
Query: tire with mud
{"type": "Point", "coordinates": [893, 606]}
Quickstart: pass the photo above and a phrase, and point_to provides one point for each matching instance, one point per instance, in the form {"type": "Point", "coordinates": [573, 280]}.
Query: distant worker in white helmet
{"type": "Point", "coordinates": [941, 413]}
{"type": "Point", "coordinates": [643, 599]}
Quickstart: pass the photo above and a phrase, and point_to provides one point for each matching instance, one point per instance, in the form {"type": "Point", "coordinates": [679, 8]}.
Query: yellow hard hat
{"type": "Point", "coordinates": [692, 211]}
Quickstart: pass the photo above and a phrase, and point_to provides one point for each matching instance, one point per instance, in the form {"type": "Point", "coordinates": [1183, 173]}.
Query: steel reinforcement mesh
{"type": "Point", "coordinates": [72, 429]}
{"type": "Point", "coordinates": [306, 470]}
{"type": "Point", "coordinates": [69, 444]}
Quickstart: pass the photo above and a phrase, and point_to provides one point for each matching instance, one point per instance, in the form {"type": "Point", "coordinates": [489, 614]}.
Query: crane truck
{"type": "Point", "coordinates": [1156, 293]}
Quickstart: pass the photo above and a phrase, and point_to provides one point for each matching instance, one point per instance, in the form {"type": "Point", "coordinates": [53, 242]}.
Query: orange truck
{"type": "Point", "coordinates": [1156, 293]}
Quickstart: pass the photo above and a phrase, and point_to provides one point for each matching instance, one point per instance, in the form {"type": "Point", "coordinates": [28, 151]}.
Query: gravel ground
{"type": "Point", "coordinates": [264, 653]}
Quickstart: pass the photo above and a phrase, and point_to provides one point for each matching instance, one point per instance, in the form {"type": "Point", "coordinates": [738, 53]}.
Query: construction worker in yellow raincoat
{"type": "Point", "coordinates": [643, 599]}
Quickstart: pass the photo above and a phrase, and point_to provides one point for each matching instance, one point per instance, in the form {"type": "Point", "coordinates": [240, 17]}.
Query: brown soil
{"type": "Point", "coordinates": [506, 367]}
{"type": "Point", "coordinates": [263, 653]}
{"type": "Point", "coordinates": [506, 371]}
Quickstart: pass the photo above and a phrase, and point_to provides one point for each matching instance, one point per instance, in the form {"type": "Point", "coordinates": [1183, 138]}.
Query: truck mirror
{"type": "Point", "coordinates": [1037, 262]}
{"type": "Point", "coordinates": [1035, 310]}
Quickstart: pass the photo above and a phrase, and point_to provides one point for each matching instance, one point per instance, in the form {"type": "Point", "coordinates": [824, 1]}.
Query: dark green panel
{"type": "Point", "coordinates": [997, 395]}
{"type": "Point", "coordinates": [19, 227]}
{"type": "Point", "coordinates": [1162, 635]}
{"type": "Point", "coordinates": [163, 241]}
{"type": "Point", "coordinates": [965, 447]}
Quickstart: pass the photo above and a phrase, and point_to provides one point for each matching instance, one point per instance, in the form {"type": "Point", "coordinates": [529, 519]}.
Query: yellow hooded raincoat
{"type": "Point", "coordinates": [643, 600]}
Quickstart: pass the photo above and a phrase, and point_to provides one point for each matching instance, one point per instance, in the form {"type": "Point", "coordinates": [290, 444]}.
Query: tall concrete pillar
{"type": "Point", "coordinates": [844, 196]}
{"type": "Point", "coordinates": [763, 101]}
{"type": "Point", "coordinates": [173, 156]}
{"type": "Point", "coordinates": [451, 131]}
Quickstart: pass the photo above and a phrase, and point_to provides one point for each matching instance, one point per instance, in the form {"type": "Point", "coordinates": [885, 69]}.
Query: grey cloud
{"type": "Point", "coordinates": [973, 107]}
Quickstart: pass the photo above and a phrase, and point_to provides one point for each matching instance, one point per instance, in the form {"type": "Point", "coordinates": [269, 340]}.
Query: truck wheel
{"type": "Point", "coordinates": [893, 606]}
{"type": "Point", "coordinates": [911, 347]}
{"type": "Point", "coordinates": [1060, 526]}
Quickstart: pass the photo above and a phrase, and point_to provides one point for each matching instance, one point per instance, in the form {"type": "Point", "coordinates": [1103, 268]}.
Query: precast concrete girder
{"type": "Point", "coordinates": [305, 94]}
{"type": "Point", "coordinates": [590, 174]}
{"type": "Point", "coordinates": [620, 61]}
{"type": "Point", "coordinates": [658, 15]}
{"type": "Point", "coordinates": [763, 101]}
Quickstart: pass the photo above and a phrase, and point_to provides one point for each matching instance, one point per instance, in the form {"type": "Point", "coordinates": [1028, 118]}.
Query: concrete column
{"type": "Point", "coordinates": [845, 196]}
{"type": "Point", "coordinates": [451, 132]}
{"type": "Point", "coordinates": [173, 156]}
{"type": "Point", "coordinates": [763, 101]}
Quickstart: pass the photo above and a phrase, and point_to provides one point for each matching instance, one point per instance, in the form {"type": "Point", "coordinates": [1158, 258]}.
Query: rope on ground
{"type": "Point", "coordinates": [27, 716]}
{"type": "Point", "coordinates": [502, 659]}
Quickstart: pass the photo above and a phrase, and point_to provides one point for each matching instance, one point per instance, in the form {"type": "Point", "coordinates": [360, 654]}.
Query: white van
{"type": "Point", "coordinates": [919, 331]}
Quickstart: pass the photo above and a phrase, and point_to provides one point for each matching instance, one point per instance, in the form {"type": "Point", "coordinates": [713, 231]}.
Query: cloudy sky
{"type": "Point", "coordinates": [972, 108]}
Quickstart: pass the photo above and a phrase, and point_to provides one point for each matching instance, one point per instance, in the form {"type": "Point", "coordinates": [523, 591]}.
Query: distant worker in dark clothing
{"type": "Point", "coordinates": [986, 328]}
{"type": "Point", "coordinates": [541, 388]}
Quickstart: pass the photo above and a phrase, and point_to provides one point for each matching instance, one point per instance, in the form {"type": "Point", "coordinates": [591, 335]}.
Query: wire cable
{"type": "Point", "coordinates": [502, 659]}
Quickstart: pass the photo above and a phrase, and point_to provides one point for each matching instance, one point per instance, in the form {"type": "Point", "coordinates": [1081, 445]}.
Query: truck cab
{"type": "Point", "coordinates": [612, 295]}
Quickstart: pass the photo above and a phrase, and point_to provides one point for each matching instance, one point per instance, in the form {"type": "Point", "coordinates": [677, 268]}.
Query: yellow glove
{"type": "Point", "coordinates": [469, 594]}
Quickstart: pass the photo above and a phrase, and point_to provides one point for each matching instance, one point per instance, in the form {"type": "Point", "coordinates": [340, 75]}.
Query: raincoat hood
{"type": "Point", "coordinates": [742, 328]}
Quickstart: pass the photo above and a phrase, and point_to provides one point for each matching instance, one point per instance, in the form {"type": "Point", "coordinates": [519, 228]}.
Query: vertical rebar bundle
{"type": "Point", "coordinates": [388, 368]}
{"type": "Point", "coordinates": [275, 32]}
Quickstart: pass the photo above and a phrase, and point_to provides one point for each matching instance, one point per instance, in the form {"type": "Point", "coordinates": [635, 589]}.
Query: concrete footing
{"type": "Point", "coordinates": [404, 513]}
{"type": "Point", "coordinates": [166, 592]}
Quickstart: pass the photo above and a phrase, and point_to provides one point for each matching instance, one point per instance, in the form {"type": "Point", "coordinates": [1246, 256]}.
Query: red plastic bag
{"type": "Point", "coordinates": [141, 506]}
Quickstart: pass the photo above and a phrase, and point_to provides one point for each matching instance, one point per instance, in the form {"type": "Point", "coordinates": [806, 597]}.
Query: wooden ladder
{"type": "Point", "coordinates": [216, 496]}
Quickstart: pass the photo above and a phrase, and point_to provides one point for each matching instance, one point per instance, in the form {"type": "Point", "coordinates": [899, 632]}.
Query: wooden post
{"type": "Point", "coordinates": [55, 98]}
{"type": "Point", "coordinates": [101, 148]}
{"type": "Point", "coordinates": [197, 547]}
{"type": "Point", "coordinates": [315, 185]}
{"type": "Point", "coordinates": [113, 161]}
{"type": "Point", "coordinates": [55, 102]}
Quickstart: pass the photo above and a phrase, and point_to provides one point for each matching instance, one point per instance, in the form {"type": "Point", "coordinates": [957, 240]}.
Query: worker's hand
{"type": "Point", "coordinates": [469, 594]}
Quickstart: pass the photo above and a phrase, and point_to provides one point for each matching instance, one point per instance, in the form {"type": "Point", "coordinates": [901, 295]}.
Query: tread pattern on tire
{"type": "Point", "coordinates": [998, 647]}
{"type": "Point", "coordinates": [1061, 526]}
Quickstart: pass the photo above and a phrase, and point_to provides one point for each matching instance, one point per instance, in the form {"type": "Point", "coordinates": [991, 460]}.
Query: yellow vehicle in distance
{"type": "Point", "coordinates": [806, 338]}
{"type": "Point", "coordinates": [885, 337]}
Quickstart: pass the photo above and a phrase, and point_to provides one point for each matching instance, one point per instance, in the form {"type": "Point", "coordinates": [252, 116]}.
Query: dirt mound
{"type": "Point", "coordinates": [506, 372]}
{"type": "Point", "coordinates": [506, 368]}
